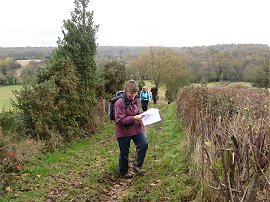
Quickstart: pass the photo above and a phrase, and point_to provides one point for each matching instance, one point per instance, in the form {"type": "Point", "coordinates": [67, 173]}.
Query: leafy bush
{"type": "Point", "coordinates": [10, 122]}
{"type": "Point", "coordinates": [51, 104]}
{"type": "Point", "coordinates": [114, 76]}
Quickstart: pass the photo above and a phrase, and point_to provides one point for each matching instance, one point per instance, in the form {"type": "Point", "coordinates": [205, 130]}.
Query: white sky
{"type": "Point", "coordinates": [140, 22]}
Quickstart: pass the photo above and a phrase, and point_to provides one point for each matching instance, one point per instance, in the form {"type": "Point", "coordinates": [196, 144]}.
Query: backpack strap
{"type": "Point", "coordinates": [125, 99]}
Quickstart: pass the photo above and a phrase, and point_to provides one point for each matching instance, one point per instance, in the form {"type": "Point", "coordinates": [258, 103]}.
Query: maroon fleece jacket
{"type": "Point", "coordinates": [125, 125]}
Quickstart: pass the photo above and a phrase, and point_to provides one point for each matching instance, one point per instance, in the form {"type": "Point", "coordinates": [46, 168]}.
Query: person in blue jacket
{"type": "Point", "coordinates": [145, 98]}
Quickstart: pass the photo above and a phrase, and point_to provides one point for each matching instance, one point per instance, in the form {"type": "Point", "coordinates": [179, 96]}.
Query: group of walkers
{"type": "Point", "coordinates": [128, 126]}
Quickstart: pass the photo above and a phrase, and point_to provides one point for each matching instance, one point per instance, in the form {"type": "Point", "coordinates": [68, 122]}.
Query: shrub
{"type": "Point", "coordinates": [114, 76]}
{"type": "Point", "coordinates": [51, 104]}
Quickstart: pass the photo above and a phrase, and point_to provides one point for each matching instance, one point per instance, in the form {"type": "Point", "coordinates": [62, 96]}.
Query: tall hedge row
{"type": "Point", "coordinates": [229, 133]}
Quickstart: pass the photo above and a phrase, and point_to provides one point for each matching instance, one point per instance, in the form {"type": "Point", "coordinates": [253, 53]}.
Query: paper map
{"type": "Point", "coordinates": [151, 116]}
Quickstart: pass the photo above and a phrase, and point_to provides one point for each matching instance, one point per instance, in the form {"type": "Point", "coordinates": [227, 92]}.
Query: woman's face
{"type": "Point", "coordinates": [131, 95]}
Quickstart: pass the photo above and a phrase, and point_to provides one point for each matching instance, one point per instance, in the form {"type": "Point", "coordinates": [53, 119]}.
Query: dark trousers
{"type": "Point", "coordinates": [124, 145]}
{"type": "Point", "coordinates": [144, 105]}
{"type": "Point", "coordinates": [154, 99]}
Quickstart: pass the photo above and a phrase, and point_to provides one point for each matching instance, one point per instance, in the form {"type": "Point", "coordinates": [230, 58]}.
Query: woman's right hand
{"type": "Point", "coordinates": [138, 117]}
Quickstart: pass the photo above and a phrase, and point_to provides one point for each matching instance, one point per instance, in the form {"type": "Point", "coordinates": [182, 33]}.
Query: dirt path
{"type": "Point", "coordinates": [118, 191]}
{"type": "Point", "coordinates": [121, 187]}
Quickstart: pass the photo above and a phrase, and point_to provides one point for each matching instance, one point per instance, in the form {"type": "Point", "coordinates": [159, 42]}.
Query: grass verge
{"type": "Point", "coordinates": [73, 173]}
{"type": "Point", "coordinates": [165, 162]}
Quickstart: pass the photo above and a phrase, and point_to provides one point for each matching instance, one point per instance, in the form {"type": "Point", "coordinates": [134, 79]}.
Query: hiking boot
{"type": "Point", "coordinates": [126, 176]}
{"type": "Point", "coordinates": [138, 170]}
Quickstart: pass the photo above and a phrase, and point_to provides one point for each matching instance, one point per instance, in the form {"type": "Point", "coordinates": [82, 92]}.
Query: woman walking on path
{"type": "Point", "coordinates": [145, 98]}
{"type": "Point", "coordinates": [128, 126]}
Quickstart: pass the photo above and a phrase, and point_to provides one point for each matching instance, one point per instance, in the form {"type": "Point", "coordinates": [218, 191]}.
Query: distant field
{"type": "Point", "coordinates": [244, 84]}
{"type": "Point", "coordinates": [24, 64]}
{"type": "Point", "coordinates": [230, 84]}
{"type": "Point", "coordinates": [6, 94]}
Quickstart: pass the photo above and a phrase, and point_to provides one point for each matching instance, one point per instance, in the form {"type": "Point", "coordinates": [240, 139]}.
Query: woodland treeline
{"type": "Point", "coordinates": [233, 62]}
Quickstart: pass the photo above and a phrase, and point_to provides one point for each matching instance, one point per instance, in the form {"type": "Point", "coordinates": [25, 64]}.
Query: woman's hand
{"type": "Point", "coordinates": [138, 117]}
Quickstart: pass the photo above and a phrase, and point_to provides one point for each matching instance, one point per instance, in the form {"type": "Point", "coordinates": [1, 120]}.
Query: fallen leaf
{"type": "Point", "coordinates": [8, 189]}
{"type": "Point", "coordinates": [19, 166]}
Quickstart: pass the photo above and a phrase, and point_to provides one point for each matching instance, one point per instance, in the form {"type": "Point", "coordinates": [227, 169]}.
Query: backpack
{"type": "Point", "coordinates": [119, 94]}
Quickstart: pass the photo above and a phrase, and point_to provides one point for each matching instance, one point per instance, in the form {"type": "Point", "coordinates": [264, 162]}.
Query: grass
{"type": "Point", "coordinates": [85, 168]}
{"type": "Point", "coordinates": [6, 95]}
{"type": "Point", "coordinates": [165, 162]}
{"type": "Point", "coordinates": [244, 84]}
{"type": "Point", "coordinates": [72, 172]}
{"type": "Point", "coordinates": [230, 84]}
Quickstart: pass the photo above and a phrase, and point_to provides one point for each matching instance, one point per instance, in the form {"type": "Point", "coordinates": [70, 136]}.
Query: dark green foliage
{"type": "Point", "coordinates": [100, 82]}
{"type": "Point", "coordinates": [115, 76]}
{"type": "Point", "coordinates": [61, 100]}
{"type": "Point", "coordinates": [10, 122]}
{"type": "Point", "coordinates": [51, 105]}
{"type": "Point", "coordinates": [174, 84]}
{"type": "Point", "coordinates": [79, 45]}
{"type": "Point", "coordinates": [262, 78]}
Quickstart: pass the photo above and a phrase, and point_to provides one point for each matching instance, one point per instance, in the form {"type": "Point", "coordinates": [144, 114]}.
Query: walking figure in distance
{"type": "Point", "coordinates": [145, 98]}
{"type": "Point", "coordinates": [154, 92]}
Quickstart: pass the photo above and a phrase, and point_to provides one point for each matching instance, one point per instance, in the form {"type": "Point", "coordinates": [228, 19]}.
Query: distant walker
{"type": "Point", "coordinates": [154, 92]}
{"type": "Point", "coordinates": [145, 98]}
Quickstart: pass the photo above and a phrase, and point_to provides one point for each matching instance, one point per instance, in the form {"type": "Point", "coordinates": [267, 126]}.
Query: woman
{"type": "Point", "coordinates": [128, 126]}
{"type": "Point", "coordinates": [145, 98]}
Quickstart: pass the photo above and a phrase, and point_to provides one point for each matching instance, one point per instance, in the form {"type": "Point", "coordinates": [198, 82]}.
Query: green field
{"type": "Point", "coordinates": [6, 94]}
{"type": "Point", "coordinates": [229, 84]}
{"type": "Point", "coordinates": [243, 84]}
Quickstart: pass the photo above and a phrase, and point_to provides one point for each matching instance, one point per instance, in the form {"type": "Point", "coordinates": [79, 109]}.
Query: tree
{"type": "Point", "coordinates": [178, 75]}
{"type": "Point", "coordinates": [79, 44]}
{"type": "Point", "coordinates": [50, 105]}
{"type": "Point", "coordinates": [8, 66]}
{"type": "Point", "coordinates": [61, 100]}
{"type": "Point", "coordinates": [153, 63]}
{"type": "Point", "coordinates": [164, 67]}
{"type": "Point", "coordinates": [262, 79]}
{"type": "Point", "coordinates": [115, 76]}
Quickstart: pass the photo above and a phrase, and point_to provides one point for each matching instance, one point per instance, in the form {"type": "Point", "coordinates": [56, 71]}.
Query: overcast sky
{"type": "Point", "coordinates": [140, 22]}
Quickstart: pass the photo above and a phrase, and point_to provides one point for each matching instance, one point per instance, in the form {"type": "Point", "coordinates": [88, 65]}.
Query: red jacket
{"type": "Point", "coordinates": [125, 125]}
